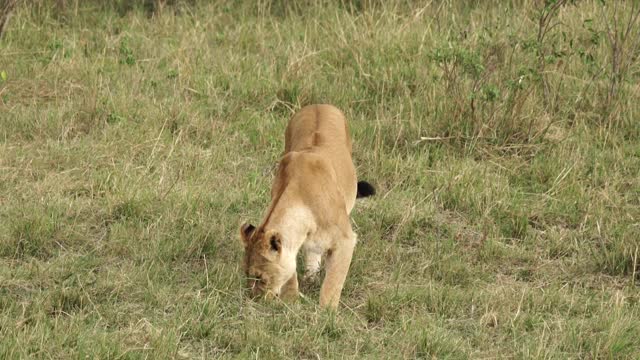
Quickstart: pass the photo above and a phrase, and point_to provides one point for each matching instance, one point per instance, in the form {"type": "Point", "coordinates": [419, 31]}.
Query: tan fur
{"type": "Point", "coordinates": [312, 195]}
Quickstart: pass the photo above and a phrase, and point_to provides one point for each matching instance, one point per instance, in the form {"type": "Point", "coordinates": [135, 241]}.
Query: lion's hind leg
{"type": "Point", "coordinates": [312, 261]}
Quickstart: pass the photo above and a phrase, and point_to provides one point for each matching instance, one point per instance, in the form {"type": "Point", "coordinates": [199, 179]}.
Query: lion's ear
{"type": "Point", "coordinates": [275, 242]}
{"type": "Point", "coordinates": [246, 230]}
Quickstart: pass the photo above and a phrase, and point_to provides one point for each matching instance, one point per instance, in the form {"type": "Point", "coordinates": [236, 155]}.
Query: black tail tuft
{"type": "Point", "coordinates": [365, 189]}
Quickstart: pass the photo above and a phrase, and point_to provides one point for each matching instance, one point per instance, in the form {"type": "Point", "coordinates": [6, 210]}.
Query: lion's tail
{"type": "Point", "coordinates": [365, 189]}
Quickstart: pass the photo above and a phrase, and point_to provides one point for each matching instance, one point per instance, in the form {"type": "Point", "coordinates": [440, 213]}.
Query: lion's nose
{"type": "Point", "coordinates": [254, 289]}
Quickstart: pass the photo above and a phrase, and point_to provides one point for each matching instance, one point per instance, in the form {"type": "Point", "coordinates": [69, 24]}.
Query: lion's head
{"type": "Point", "coordinates": [266, 267]}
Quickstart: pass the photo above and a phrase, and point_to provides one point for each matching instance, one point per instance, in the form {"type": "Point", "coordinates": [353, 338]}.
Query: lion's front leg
{"type": "Point", "coordinates": [289, 290]}
{"type": "Point", "coordinates": [336, 268]}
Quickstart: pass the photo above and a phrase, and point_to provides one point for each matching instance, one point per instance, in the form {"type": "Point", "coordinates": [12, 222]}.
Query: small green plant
{"type": "Point", "coordinates": [172, 74]}
{"type": "Point", "coordinates": [456, 59]}
{"type": "Point", "coordinates": [546, 16]}
{"type": "Point", "coordinates": [126, 54]}
{"type": "Point", "coordinates": [490, 93]}
{"type": "Point", "coordinates": [113, 118]}
{"type": "Point", "coordinates": [623, 40]}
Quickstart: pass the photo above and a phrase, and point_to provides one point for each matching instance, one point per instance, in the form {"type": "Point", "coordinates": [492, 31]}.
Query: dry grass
{"type": "Point", "coordinates": [505, 225]}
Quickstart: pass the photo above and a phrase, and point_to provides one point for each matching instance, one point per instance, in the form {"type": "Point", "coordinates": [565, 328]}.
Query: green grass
{"type": "Point", "coordinates": [507, 219]}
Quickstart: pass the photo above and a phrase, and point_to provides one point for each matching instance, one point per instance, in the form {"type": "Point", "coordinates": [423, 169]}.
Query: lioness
{"type": "Point", "coordinates": [312, 195]}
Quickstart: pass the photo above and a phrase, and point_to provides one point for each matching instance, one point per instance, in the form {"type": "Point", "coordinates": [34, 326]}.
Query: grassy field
{"type": "Point", "coordinates": [503, 138]}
